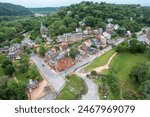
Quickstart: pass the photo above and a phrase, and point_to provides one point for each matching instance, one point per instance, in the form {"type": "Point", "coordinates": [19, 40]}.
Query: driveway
{"type": "Point", "coordinates": [55, 81]}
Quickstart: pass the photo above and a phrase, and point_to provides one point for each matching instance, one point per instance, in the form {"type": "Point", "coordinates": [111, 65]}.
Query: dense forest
{"type": "Point", "coordinates": [7, 9]}
{"type": "Point", "coordinates": [46, 10]}
{"type": "Point", "coordinates": [66, 19]}
{"type": "Point", "coordinates": [95, 15]}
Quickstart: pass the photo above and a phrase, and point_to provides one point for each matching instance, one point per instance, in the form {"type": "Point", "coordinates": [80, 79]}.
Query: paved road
{"type": "Point", "coordinates": [92, 93]}
{"type": "Point", "coordinates": [55, 81]}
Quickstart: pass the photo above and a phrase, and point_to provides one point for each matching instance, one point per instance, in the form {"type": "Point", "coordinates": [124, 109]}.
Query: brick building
{"type": "Point", "coordinates": [60, 63]}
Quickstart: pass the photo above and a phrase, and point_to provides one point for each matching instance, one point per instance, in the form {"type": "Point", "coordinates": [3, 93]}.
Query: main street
{"type": "Point", "coordinates": [55, 81]}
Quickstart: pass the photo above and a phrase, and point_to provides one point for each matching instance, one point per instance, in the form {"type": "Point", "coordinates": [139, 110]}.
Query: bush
{"type": "Point", "coordinates": [9, 70]}
{"type": "Point", "coordinates": [114, 85]}
{"type": "Point", "coordinates": [93, 73]}
{"type": "Point", "coordinates": [130, 95]}
{"type": "Point", "coordinates": [6, 63]}
{"type": "Point", "coordinates": [123, 47]}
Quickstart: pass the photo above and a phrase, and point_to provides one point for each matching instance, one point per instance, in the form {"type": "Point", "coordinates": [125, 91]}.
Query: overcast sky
{"type": "Point", "coordinates": [56, 3]}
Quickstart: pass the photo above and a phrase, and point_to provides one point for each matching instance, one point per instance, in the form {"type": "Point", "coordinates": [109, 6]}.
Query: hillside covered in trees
{"type": "Point", "coordinates": [95, 15]}
{"type": "Point", "coordinates": [66, 19]}
{"type": "Point", "coordinates": [7, 9]}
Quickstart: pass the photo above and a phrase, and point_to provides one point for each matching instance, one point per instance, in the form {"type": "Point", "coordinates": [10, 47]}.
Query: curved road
{"type": "Point", "coordinates": [92, 87]}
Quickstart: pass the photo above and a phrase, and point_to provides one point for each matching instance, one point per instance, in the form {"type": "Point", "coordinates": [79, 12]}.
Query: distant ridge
{"type": "Point", "coordinates": [44, 10]}
{"type": "Point", "coordinates": [7, 9]}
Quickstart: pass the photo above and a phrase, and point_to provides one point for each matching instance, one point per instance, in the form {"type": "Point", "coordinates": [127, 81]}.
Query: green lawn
{"type": "Point", "coordinates": [100, 61]}
{"type": "Point", "coordinates": [73, 89]}
{"type": "Point", "coordinates": [123, 63]}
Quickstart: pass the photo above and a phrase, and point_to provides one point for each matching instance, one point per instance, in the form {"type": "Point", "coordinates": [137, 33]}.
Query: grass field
{"type": "Point", "coordinates": [123, 63]}
{"type": "Point", "coordinates": [100, 61]}
{"type": "Point", "coordinates": [73, 89]}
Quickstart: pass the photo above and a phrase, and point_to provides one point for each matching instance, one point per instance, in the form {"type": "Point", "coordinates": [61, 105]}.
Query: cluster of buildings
{"type": "Point", "coordinates": [14, 51]}
{"type": "Point", "coordinates": [59, 59]}
{"type": "Point", "coordinates": [28, 42]}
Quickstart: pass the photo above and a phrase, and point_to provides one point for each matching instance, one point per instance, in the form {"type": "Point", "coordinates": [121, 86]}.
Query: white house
{"type": "Point", "coordinates": [107, 35]}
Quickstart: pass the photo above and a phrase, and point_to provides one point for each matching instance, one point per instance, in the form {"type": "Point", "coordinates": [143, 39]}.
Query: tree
{"type": "Point", "coordinates": [122, 31]}
{"type": "Point", "coordinates": [101, 25]}
{"type": "Point", "coordinates": [17, 40]}
{"type": "Point", "coordinates": [9, 70]}
{"type": "Point", "coordinates": [145, 89]}
{"type": "Point", "coordinates": [73, 52]}
{"type": "Point", "coordinates": [33, 73]}
{"type": "Point", "coordinates": [73, 26]}
{"type": "Point", "coordinates": [10, 90]}
{"type": "Point", "coordinates": [94, 73]}
{"type": "Point", "coordinates": [90, 21]}
{"type": "Point", "coordinates": [38, 40]}
{"type": "Point", "coordinates": [6, 63]}
{"type": "Point", "coordinates": [148, 52]}
{"type": "Point", "coordinates": [23, 68]}
{"type": "Point", "coordinates": [137, 47]}
{"type": "Point", "coordinates": [140, 72]}
{"type": "Point", "coordinates": [62, 29]}
{"type": "Point", "coordinates": [27, 50]}
{"type": "Point", "coordinates": [114, 84]}
{"type": "Point", "coordinates": [42, 50]}
{"type": "Point", "coordinates": [123, 47]}
{"type": "Point", "coordinates": [132, 25]}
{"type": "Point", "coordinates": [2, 37]}
{"type": "Point", "coordinates": [134, 35]}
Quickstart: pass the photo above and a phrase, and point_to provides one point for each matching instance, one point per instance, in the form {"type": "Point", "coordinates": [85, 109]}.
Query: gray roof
{"type": "Point", "coordinates": [56, 58]}
{"type": "Point", "coordinates": [95, 42]}
{"type": "Point", "coordinates": [6, 47]}
{"type": "Point", "coordinates": [34, 83]}
{"type": "Point", "coordinates": [49, 53]}
{"type": "Point", "coordinates": [11, 53]}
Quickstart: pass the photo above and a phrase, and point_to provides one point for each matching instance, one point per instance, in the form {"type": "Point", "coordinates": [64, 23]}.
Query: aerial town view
{"type": "Point", "coordinates": [81, 50]}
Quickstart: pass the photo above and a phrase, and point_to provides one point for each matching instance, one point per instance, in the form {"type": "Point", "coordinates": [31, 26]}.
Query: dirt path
{"type": "Point", "coordinates": [100, 69]}
{"type": "Point", "coordinates": [16, 80]}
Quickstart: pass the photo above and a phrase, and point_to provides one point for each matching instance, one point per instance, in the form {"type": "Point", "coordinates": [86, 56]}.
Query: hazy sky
{"type": "Point", "coordinates": [56, 3]}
